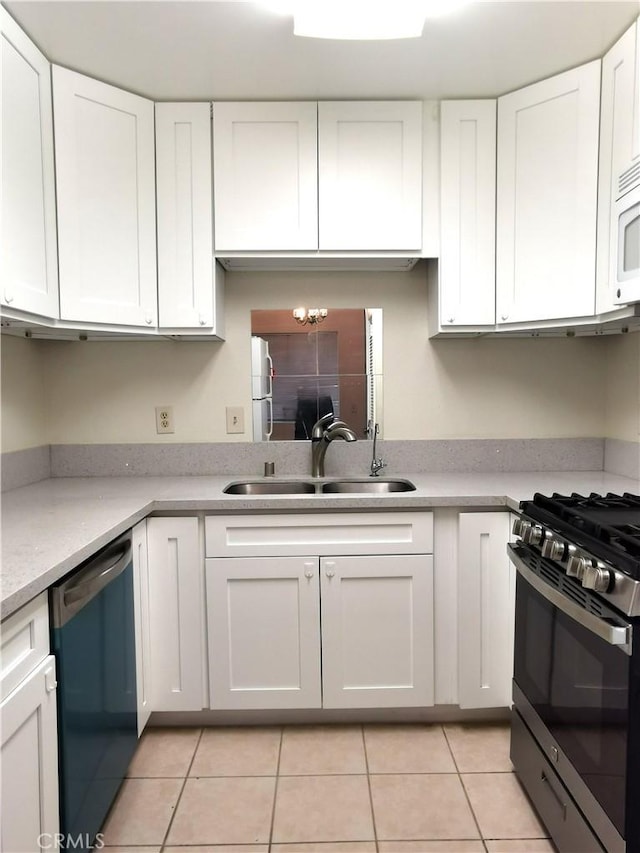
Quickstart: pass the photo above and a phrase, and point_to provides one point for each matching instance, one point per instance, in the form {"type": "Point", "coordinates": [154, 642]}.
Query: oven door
{"type": "Point", "coordinates": [573, 666]}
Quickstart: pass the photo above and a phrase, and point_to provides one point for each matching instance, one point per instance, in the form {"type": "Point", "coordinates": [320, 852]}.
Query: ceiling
{"type": "Point", "coordinates": [225, 50]}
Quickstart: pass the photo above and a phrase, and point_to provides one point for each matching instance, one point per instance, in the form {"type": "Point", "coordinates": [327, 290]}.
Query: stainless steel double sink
{"type": "Point", "coordinates": [350, 485]}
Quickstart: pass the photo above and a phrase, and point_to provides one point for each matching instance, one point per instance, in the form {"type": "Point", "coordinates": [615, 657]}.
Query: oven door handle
{"type": "Point", "coordinates": [615, 635]}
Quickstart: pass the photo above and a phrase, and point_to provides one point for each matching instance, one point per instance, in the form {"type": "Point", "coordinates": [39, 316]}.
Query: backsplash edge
{"type": "Point", "coordinates": [23, 467]}
{"type": "Point", "coordinates": [622, 457]}
{"type": "Point", "coordinates": [294, 458]}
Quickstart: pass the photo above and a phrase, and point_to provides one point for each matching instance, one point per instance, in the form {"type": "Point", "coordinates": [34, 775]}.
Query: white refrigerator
{"type": "Point", "coordinates": [261, 389]}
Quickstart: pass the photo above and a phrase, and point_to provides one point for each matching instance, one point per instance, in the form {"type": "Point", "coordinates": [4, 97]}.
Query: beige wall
{"type": "Point", "coordinates": [622, 391]}
{"type": "Point", "coordinates": [520, 388]}
{"type": "Point", "coordinates": [23, 411]}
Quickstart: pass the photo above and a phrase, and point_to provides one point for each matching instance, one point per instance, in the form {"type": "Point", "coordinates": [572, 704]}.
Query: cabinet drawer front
{"type": "Point", "coordinates": [24, 643]}
{"type": "Point", "coordinates": [326, 534]}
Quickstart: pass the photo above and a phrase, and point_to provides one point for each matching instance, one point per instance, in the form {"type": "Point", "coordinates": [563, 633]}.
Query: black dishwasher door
{"type": "Point", "coordinates": [94, 644]}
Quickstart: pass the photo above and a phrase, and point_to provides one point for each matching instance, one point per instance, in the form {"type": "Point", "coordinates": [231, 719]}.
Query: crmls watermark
{"type": "Point", "coordinates": [60, 841]}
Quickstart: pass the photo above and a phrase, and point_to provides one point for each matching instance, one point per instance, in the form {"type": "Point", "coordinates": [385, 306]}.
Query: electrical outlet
{"type": "Point", "coordinates": [235, 419]}
{"type": "Point", "coordinates": [164, 419]}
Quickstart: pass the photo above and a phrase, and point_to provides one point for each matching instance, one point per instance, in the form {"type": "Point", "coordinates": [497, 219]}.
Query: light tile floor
{"type": "Point", "coordinates": [324, 789]}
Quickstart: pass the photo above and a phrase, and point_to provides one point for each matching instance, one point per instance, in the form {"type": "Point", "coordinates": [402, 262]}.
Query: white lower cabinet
{"type": "Point", "coordinates": [486, 606]}
{"type": "Point", "coordinates": [377, 631]}
{"type": "Point", "coordinates": [176, 606]}
{"type": "Point", "coordinates": [340, 630]}
{"type": "Point", "coordinates": [264, 631]}
{"type": "Point", "coordinates": [28, 719]}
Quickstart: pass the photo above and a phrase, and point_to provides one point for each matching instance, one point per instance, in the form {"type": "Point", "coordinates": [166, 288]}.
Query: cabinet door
{"type": "Point", "coordinates": [370, 175]}
{"type": "Point", "coordinates": [467, 266]}
{"type": "Point", "coordinates": [619, 149]}
{"type": "Point", "coordinates": [143, 636]}
{"type": "Point", "coordinates": [188, 278]}
{"type": "Point", "coordinates": [30, 763]}
{"type": "Point", "coordinates": [266, 172]}
{"type": "Point", "coordinates": [264, 632]}
{"type": "Point", "coordinates": [29, 254]}
{"type": "Point", "coordinates": [104, 153]}
{"type": "Point", "coordinates": [176, 604]}
{"type": "Point", "coordinates": [485, 610]}
{"type": "Point", "coordinates": [546, 198]}
{"type": "Point", "coordinates": [377, 631]}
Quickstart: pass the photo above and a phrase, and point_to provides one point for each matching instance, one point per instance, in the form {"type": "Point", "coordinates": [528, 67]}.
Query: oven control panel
{"type": "Point", "coordinates": [621, 590]}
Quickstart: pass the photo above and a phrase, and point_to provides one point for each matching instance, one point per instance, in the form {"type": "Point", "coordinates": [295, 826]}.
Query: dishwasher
{"type": "Point", "coordinates": [94, 643]}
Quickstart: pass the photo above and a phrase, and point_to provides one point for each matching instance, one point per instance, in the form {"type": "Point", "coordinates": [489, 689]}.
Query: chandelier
{"type": "Point", "coordinates": [312, 316]}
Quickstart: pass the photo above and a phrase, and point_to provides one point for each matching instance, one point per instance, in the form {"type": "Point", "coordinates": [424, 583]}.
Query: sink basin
{"type": "Point", "coordinates": [270, 487]}
{"type": "Point", "coordinates": [371, 485]}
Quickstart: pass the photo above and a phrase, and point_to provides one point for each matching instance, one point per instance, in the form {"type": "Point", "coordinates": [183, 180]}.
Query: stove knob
{"type": "Point", "coordinates": [553, 549]}
{"type": "Point", "coordinates": [576, 566]}
{"type": "Point", "coordinates": [519, 526]}
{"type": "Point", "coordinates": [533, 534]}
{"type": "Point", "coordinates": [596, 578]}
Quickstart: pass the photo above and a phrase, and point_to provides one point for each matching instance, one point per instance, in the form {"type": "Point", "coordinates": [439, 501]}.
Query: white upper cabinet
{"type": "Point", "coordinates": [343, 176]}
{"type": "Point", "coordinates": [619, 149]}
{"type": "Point", "coordinates": [370, 175]}
{"type": "Point", "coordinates": [546, 198]}
{"type": "Point", "coordinates": [467, 266]}
{"type": "Point", "coordinates": [265, 176]}
{"type": "Point", "coordinates": [29, 271]}
{"type": "Point", "coordinates": [104, 152]}
{"type": "Point", "coordinates": [190, 283]}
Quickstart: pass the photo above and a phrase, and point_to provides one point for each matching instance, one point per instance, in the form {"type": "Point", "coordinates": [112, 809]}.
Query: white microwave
{"type": "Point", "coordinates": [625, 239]}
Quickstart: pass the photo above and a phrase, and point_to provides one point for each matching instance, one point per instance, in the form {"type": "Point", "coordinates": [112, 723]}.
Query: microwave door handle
{"type": "Point", "coordinates": [615, 635]}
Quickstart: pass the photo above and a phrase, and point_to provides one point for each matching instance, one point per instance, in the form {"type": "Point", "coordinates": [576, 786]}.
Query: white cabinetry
{"type": "Point", "coordinates": [176, 606]}
{"type": "Point", "coordinates": [376, 598]}
{"type": "Point", "coordinates": [370, 175]}
{"type": "Point", "coordinates": [377, 631]}
{"type": "Point", "coordinates": [143, 626]}
{"type": "Point", "coordinates": [298, 177]}
{"type": "Point", "coordinates": [546, 198]}
{"type": "Point", "coordinates": [190, 283]}
{"type": "Point", "coordinates": [619, 149]}
{"type": "Point", "coordinates": [265, 168]}
{"type": "Point", "coordinates": [104, 153]}
{"type": "Point", "coordinates": [29, 751]}
{"type": "Point", "coordinates": [264, 629]}
{"type": "Point", "coordinates": [467, 266]}
{"type": "Point", "coordinates": [486, 606]}
{"type": "Point", "coordinates": [29, 271]}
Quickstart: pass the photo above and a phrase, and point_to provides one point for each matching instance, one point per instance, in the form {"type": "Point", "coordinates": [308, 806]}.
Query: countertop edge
{"type": "Point", "coordinates": [33, 515]}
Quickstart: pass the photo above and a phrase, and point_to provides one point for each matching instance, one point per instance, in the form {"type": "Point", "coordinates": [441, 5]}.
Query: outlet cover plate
{"type": "Point", "coordinates": [235, 419]}
{"type": "Point", "coordinates": [164, 419]}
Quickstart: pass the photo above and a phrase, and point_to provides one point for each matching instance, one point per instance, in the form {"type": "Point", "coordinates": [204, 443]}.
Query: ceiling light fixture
{"type": "Point", "coordinates": [312, 316]}
{"type": "Point", "coordinates": [362, 19]}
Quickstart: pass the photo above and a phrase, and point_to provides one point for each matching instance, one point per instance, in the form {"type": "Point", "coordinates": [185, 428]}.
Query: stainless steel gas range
{"type": "Point", "coordinates": [575, 738]}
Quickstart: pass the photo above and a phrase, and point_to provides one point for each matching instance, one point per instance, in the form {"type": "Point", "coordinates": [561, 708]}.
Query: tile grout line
{"type": "Point", "coordinates": [373, 813]}
{"type": "Point", "coordinates": [275, 790]}
{"type": "Point", "coordinates": [184, 782]}
{"type": "Point", "coordinates": [462, 785]}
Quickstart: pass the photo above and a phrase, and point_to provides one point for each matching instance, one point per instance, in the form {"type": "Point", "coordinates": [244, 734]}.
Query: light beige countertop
{"type": "Point", "coordinates": [50, 527]}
